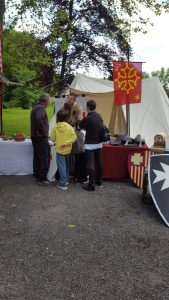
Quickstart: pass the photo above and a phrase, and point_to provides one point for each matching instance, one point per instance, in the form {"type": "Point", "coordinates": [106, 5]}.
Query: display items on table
{"type": "Point", "coordinates": [124, 157]}
{"type": "Point", "coordinates": [6, 137]}
{"type": "Point", "coordinates": [159, 145]}
{"type": "Point", "coordinates": [125, 140]}
{"type": "Point", "coordinates": [19, 137]}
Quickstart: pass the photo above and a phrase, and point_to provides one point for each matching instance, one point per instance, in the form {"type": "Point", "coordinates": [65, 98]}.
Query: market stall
{"type": "Point", "coordinates": [146, 118]}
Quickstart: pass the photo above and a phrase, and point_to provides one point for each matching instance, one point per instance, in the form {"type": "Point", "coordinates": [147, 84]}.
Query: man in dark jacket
{"type": "Point", "coordinates": [39, 137]}
{"type": "Point", "coordinates": [92, 124]}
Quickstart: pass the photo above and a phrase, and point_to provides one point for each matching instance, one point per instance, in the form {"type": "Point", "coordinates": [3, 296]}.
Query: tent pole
{"type": "Point", "coordinates": [128, 118]}
{"type": "Point", "coordinates": [128, 105]}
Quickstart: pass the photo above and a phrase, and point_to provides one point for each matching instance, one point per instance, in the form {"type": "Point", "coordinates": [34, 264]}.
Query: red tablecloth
{"type": "Point", "coordinates": [115, 160]}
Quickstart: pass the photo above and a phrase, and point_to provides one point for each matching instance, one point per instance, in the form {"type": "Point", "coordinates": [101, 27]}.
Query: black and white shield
{"type": "Point", "coordinates": [158, 175]}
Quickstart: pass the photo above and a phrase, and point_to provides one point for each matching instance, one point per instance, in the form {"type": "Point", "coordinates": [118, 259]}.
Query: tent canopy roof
{"type": "Point", "coordinates": [90, 85]}
{"type": "Point", "coordinates": [83, 84]}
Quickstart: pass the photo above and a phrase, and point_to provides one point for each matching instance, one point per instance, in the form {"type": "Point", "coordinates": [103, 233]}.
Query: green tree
{"type": "Point", "coordinates": [163, 75]}
{"type": "Point", "coordinates": [145, 75]}
{"type": "Point", "coordinates": [83, 32]}
{"type": "Point", "coordinates": [23, 60]}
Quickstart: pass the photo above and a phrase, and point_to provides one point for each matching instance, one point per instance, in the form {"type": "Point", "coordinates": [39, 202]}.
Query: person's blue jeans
{"type": "Point", "coordinates": [63, 168]}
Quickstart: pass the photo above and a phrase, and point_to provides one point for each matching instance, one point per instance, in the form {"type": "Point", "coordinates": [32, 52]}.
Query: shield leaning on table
{"type": "Point", "coordinates": [158, 176]}
{"type": "Point", "coordinates": [137, 162]}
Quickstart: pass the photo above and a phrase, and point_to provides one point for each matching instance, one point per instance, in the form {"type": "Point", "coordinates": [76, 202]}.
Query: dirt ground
{"type": "Point", "coordinates": [64, 245]}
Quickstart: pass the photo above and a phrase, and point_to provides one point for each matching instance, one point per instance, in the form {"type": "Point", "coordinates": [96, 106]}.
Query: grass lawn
{"type": "Point", "coordinates": [18, 119]}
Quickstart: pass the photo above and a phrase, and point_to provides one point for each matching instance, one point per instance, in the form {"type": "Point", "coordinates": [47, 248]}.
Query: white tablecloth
{"type": "Point", "coordinates": [16, 158]}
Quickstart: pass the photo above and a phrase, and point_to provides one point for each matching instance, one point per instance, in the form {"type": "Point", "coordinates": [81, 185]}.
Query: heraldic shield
{"type": "Point", "coordinates": [158, 175]}
{"type": "Point", "coordinates": [137, 162]}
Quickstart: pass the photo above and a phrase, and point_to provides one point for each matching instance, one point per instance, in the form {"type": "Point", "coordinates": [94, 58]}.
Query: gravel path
{"type": "Point", "coordinates": [63, 245]}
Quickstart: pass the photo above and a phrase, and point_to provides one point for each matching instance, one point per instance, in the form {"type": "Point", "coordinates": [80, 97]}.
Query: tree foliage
{"type": "Point", "coordinates": [163, 75]}
{"type": "Point", "coordinates": [145, 75]}
{"type": "Point", "coordinates": [80, 33]}
{"type": "Point", "coordinates": [24, 59]}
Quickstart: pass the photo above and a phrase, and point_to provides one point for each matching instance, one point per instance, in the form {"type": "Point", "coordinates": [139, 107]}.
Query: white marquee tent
{"type": "Point", "coordinates": [147, 118]}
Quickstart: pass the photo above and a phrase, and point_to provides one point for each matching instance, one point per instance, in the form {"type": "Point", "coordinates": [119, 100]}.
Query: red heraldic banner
{"type": "Point", "coordinates": [127, 82]}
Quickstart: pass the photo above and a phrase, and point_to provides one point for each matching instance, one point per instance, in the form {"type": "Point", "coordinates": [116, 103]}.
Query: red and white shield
{"type": "Point", "coordinates": [137, 162]}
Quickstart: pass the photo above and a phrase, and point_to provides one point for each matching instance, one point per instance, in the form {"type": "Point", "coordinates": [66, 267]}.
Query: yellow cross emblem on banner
{"type": "Point", "coordinates": [137, 159]}
{"type": "Point", "coordinates": [127, 79]}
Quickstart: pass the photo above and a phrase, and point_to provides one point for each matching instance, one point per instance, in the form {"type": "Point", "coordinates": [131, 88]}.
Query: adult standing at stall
{"type": "Point", "coordinates": [93, 124]}
{"type": "Point", "coordinates": [39, 137]}
{"type": "Point", "coordinates": [74, 115]}
{"type": "Point", "coordinates": [74, 110]}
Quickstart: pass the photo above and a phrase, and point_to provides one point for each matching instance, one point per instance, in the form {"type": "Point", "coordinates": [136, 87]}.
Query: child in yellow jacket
{"type": "Point", "coordinates": [63, 135]}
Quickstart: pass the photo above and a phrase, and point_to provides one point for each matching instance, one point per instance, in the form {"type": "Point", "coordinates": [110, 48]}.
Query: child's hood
{"type": "Point", "coordinates": [61, 126]}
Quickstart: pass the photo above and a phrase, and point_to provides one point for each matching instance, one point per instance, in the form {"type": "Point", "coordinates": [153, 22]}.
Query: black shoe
{"type": "Point", "coordinates": [99, 183]}
{"type": "Point", "coordinates": [36, 177]}
{"type": "Point", "coordinates": [43, 182]}
{"type": "Point", "coordinates": [89, 188]}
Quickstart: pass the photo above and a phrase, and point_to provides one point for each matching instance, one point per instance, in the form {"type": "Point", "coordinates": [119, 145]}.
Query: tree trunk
{"type": "Point", "coordinates": [64, 61]}
{"type": "Point", "coordinates": [2, 9]}
{"type": "Point", "coordinates": [65, 53]}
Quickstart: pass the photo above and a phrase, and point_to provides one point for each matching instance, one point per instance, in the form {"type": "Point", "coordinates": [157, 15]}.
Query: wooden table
{"type": "Point", "coordinates": [115, 160]}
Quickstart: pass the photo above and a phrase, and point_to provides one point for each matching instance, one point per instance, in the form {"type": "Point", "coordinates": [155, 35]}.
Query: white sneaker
{"type": "Point", "coordinates": [62, 187]}
{"type": "Point", "coordinates": [84, 182]}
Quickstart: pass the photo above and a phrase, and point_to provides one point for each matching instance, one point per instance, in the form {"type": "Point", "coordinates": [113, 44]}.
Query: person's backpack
{"type": "Point", "coordinates": [104, 134]}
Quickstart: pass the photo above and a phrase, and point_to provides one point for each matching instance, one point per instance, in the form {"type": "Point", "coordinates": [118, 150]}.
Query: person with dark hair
{"type": "Point", "coordinates": [63, 135]}
{"type": "Point", "coordinates": [39, 137]}
{"type": "Point", "coordinates": [74, 111]}
{"type": "Point", "coordinates": [92, 124]}
{"type": "Point", "coordinates": [79, 155]}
